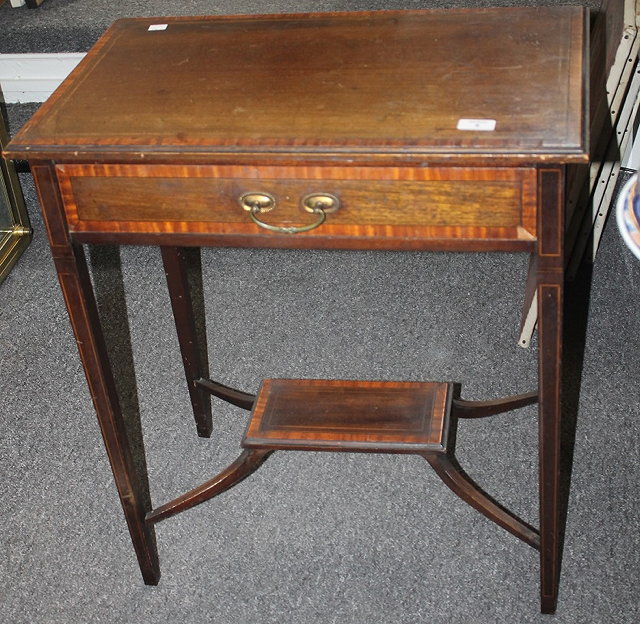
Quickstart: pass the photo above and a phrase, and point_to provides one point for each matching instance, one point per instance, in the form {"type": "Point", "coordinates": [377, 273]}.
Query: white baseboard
{"type": "Point", "coordinates": [34, 77]}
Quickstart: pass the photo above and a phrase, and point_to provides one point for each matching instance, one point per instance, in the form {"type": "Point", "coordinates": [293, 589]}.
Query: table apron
{"type": "Point", "coordinates": [380, 207]}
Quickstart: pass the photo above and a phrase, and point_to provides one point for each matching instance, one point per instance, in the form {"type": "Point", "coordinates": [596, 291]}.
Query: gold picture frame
{"type": "Point", "coordinates": [15, 231]}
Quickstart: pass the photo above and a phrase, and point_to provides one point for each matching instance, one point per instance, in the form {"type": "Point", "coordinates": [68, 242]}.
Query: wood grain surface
{"type": "Point", "coordinates": [436, 202]}
{"type": "Point", "coordinates": [339, 415]}
{"type": "Point", "coordinates": [386, 82]}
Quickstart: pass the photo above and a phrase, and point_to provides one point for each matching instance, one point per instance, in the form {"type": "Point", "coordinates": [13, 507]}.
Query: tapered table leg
{"type": "Point", "coordinates": [79, 297]}
{"type": "Point", "coordinates": [193, 345]}
{"type": "Point", "coordinates": [550, 272]}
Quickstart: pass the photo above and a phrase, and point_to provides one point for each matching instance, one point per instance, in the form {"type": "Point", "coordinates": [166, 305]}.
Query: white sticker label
{"type": "Point", "coordinates": [486, 125]}
{"type": "Point", "coordinates": [158, 27]}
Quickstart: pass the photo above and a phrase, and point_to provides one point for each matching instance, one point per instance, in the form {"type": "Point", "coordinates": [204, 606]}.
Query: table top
{"type": "Point", "coordinates": [414, 86]}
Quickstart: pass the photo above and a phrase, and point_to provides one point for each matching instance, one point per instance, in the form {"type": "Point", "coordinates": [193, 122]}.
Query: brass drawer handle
{"type": "Point", "coordinates": [316, 203]}
{"type": "Point", "coordinates": [320, 201]}
{"type": "Point", "coordinates": [257, 202]}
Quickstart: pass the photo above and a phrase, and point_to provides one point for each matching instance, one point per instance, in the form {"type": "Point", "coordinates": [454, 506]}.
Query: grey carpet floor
{"type": "Point", "coordinates": [73, 25]}
{"type": "Point", "coordinates": [311, 537]}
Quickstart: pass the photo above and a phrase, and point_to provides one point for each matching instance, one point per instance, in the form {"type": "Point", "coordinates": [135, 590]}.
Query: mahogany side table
{"type": "Point", "coordinates": [406, 130]}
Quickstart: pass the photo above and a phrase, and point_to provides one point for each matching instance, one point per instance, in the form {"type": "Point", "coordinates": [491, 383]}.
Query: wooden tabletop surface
{"type": "Point", "coordinates": [476, 83]}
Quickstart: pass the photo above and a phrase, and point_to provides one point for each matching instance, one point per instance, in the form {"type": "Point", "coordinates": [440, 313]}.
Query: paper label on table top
{"type": "Point", "coordinates": [486, 125]}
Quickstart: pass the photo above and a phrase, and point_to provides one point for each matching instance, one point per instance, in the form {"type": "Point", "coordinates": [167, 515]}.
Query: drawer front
{"type": "Point", "coordinates": [375, 203]}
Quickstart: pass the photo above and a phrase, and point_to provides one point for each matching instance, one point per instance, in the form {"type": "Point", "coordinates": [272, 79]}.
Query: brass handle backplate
{"type": "Point", "coordinates": [257, 202]}
{"type": "Point", "coordinates": [323, 201]}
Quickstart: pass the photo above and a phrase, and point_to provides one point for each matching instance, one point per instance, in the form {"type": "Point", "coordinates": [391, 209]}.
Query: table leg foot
{"type": "Point", "coordinates": [548, 604]}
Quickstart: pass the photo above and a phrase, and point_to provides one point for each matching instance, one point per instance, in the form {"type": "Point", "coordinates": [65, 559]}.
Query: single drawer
{"type": "Point", "coordinates": [376, 203]}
